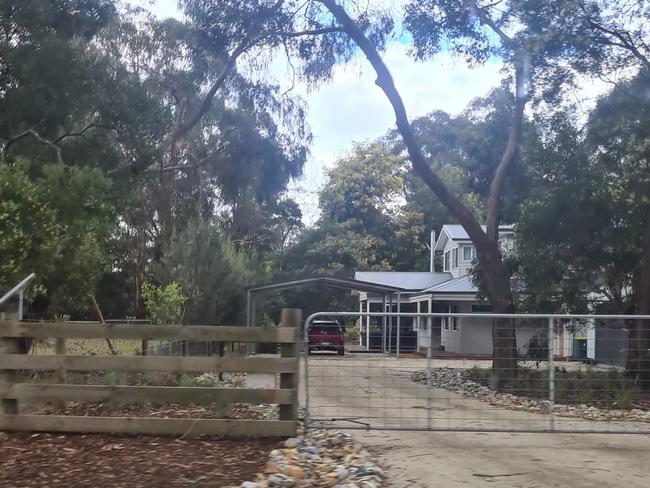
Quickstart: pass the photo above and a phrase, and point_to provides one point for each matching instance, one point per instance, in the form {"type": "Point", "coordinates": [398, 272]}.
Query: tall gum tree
{"type": "Point", "coordinates": [542, 46]}
{"type": "Point", "coordinates": [494, 270]}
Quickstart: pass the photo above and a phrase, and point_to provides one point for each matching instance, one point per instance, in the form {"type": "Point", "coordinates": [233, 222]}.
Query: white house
{"type": "Point", "coordinates": [450, 290]}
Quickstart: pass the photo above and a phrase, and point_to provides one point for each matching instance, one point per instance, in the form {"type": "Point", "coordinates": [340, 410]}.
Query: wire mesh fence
{"type": "Point", "coordinates": [441, 371]}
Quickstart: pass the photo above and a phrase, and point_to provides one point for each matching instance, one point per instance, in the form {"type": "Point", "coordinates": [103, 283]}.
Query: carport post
{"type": "Point", "coordinates": [248, 308]}
{"type": "Point", "coordinates": [368, 325]}
{"type": "Point", "coordinates": [251, 307]}
{"type": "Point", "coordinates": [360, 322]}
{"type": "Point", "coordinates": [399, 304]}
{"type": "Point", "coordinates": [383, 324]}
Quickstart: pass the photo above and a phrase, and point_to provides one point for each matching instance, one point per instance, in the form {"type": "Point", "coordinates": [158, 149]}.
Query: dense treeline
{"type": "Point", "coordinates": [142, 150]}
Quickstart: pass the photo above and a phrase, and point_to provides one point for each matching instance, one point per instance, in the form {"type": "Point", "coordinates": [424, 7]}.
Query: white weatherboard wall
{"type": "Point", "coordinates": [474, 335]}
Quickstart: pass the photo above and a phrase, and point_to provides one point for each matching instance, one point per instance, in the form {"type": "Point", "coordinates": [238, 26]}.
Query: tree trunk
{"type": "Point", "coordinates": [493, 268]}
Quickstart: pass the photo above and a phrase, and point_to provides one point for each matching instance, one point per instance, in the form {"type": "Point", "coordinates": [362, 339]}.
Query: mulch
{"type": "Point", "coordinates": [98, 460]}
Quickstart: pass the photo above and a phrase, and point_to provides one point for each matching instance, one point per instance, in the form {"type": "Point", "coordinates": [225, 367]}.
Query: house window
{"type": "Point", "coordinates": [450, 322]}
{"type": "Point", "coordinates": [447, 261]}
{"type": "Point", "coordinates": [468, 253]}
{"type": "Point", "coordinates": [455, 256]}
{"type": "Point", "coordinates": [483, 308]}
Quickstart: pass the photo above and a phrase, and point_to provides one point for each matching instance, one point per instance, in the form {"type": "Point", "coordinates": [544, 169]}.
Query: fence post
{"type": "Point", "coordinates": [551, 375]}
{"type": "Point", "coordinates": [61, 372]}
{"type": "Point", "coordinates": [291, 317]}
{"type": "Point", "coordinates": [8, 345]}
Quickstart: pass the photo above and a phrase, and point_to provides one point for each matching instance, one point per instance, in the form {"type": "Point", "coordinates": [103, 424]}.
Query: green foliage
{"type": "Point", "coordinates": [164, 303]}
{"type": "Point", "coordinates": [211, 271]}
{"type": "Point", "coordinates": [351, 335]}
{"type": "Point", "coordinates": [114, 378]}
{"type": "Point", "coordinates": [624, 399]}
{"type": "Point", "coordinates": [580, 232]}
{"type": "Point", "coordinates": [54, 220]}
{"type": "Point", "coordinates": [186, 381]}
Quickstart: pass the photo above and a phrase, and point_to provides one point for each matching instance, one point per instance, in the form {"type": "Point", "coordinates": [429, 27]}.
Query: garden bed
{"type": "Point", "coordinates": [594, 398]}
{"type": "Point", "coordinates": [35, 460]}
{"type": "Point", "coordinates": [606, 389]}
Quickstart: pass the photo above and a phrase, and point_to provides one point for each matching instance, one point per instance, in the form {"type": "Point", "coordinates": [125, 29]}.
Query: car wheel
{"type": "Point", "coordinates": [341, 352]}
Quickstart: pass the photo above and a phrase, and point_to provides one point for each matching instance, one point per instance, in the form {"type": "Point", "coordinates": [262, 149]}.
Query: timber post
{"type": "Point", "coordinates": [61, 372]}
{"type": "Point", "coordinates": [8, 345]}
{"type": "Point", "coordinates": [291, 317]}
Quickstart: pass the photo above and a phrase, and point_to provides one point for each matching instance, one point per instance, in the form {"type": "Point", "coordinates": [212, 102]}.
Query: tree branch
{"type": "Point", "coordinates": [487, 20]}
{"type": "Point", "coordinates": [498, 180]}
{"type": "Point", "coordinates": [206, 103]}
{"type": "Point", "coordinates": [79, 133]}
{"type": "Point", "coordinates": [313, 32]}
{"type": "Point", "coordinates": [625, 40]}
{"type": "Point", "coordinates": [38, 137]}
{"type": "Point", "coordinates": [420, 166]}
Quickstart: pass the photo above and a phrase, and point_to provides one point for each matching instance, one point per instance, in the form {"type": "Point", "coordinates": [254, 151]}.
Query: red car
{"type": "Point", "coordinates": [326, 335]}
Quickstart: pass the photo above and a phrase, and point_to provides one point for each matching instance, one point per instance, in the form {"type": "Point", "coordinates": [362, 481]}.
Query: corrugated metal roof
{"type": "Point", "coordinates": [407, 280]}
{"type": "Point", "coordinates": [462, 284]}
{"type": "Point", "coordinates": [456, 232]}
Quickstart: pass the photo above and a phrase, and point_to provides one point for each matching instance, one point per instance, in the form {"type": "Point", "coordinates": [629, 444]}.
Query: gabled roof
{"type": "Point", "coordinates": [462, 284]}
{"type": "Point", "coordinates": [332, 281]}
{"type": "Point", "coordinates": [405, 280]}
{"type": "Point", "coordinates": [457, 232]}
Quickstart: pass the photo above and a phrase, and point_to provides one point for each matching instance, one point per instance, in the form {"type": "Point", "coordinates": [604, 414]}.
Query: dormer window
{"type": "Point", "coordinates": [468, 253]}
{"type": "Point", "coordinates": [451, 259]}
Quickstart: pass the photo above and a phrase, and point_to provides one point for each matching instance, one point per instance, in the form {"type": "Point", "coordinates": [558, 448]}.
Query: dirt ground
{"type": "Point", "coordinates": [52, 460]}
{"type": "Point", "coordinates": [360, 388]}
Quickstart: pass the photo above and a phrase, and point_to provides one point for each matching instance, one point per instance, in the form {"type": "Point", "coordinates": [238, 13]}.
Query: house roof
{"type": "Point", "coordinates": [457, 232]}
{"type": "Point", "coordinates": [376, 287]}
{"type": "Point", "coordinates": [405, 280]}
{"type": "Point", "coordinates": [462, 284]}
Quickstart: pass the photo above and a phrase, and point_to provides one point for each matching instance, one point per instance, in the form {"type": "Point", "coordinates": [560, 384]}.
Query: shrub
{"type": "Point", "coordinates": [164, 303]}
{"type": "Point", "coordinates": [351, 335]}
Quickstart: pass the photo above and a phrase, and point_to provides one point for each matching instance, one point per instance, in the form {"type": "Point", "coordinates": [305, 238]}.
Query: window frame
{"type": "Point", "coordinates": [471, 253]}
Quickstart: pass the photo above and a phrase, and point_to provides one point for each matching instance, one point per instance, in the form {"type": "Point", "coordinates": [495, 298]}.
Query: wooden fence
{"type": "Point", "coordinates": [286, 396]}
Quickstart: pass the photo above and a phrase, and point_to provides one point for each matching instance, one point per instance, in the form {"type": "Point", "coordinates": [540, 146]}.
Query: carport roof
{"type": "Point", "coordinates": [353, 284]}
{"type": "Point", "coordinates": [403, 280]}
{"type": "Point", "coordinates": [462, 284]}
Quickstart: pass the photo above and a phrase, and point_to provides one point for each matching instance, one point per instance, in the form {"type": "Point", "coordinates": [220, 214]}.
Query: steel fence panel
{"type": "Point", "coordinates": [570, 377]}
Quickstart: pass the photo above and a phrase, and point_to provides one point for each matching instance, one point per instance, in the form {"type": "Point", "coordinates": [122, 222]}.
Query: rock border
{"type": "Point", "coordinates": [320, 458]}
{"type": "Point", "coordinates": [453, 379]}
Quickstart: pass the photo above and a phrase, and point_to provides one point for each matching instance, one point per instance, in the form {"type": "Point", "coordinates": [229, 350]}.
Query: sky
{"type": "Point", "coordinates": [351, 108]}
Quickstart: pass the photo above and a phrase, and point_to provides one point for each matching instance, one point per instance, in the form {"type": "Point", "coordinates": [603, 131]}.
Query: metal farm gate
{"type": "Point", "coordinates": [570, 376]}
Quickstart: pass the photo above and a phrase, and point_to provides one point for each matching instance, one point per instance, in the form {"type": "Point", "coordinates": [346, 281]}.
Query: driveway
{"type": "Point", "coordinates": [360, 389]}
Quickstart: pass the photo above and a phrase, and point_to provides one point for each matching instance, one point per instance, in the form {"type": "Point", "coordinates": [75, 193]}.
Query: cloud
{"type": "Point", "coordinates": [351, 108]}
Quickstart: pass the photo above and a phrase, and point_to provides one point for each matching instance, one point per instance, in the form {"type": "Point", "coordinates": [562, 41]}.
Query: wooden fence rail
{"type": "Point", "coordinates": [13, 392]}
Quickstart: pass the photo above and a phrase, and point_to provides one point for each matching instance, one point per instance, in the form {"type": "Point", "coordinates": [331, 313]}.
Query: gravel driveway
{"type": "Point", "coordinates": [364, 389]}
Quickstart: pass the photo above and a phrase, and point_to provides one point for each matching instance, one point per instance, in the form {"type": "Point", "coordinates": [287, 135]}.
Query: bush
{"type": "Point", "coordinates": [351, 336]}
{"type": "Point", "coordinates": [164, 303]}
